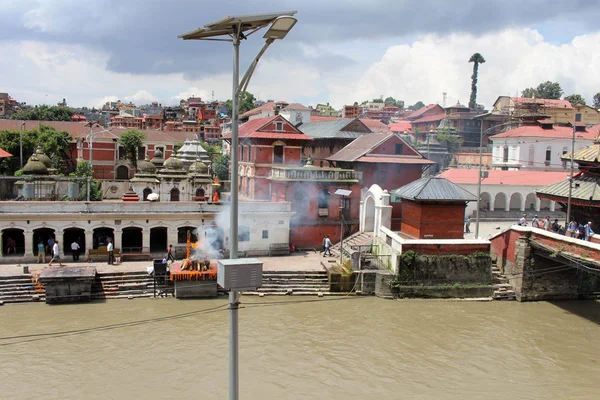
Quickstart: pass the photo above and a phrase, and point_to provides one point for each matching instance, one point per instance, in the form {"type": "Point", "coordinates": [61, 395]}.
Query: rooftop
{"type": "Point", "coordinates": [556, 132]}
{"type": "Point", "coordinates": [499, 177]}
{"type": "Point", "coordinates": [433, 189]}
{"type": "Point", "coordinates": [330, 129]}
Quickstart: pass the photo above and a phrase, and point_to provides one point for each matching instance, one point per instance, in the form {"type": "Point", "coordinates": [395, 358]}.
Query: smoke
{"type": "Point", "coordinates": [212, 240]}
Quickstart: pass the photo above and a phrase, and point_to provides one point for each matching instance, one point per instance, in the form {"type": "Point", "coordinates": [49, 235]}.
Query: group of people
{"type": "Point", "coordinates": [53, 246]}
{"type": "Point", "coordinates": [574, 229]}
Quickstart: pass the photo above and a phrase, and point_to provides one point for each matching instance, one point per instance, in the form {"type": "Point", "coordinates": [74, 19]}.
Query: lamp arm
{"type": "Point", "coordinates": [246, 79]}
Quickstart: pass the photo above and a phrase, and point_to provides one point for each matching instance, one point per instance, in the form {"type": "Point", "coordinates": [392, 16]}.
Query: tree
{"type": "Point", "coordinates": [476, 59]}
{"type": "Point", "coordinates": [55, 144]}
{"type": "Point", "coordinates": [44, 113]}
{"type": "Point", "coordinates": [596, 104]}
{"type": "Point", "coordinates": [390, 101]}
{"type": "Point", "coordinates": [246, 103]}
{"type": "Point", "coordinates": [84, 170]}
{"type": "Point", "coordinates": [417, 106]}
{"type": "Point", "coordinates": [132, 140]}
{"type": "Point", "coordinates": [545, 90]}
{"type": "Point", "coordinates": [220, 167]}
{"type": "Point", "coordinates": [575, 100]}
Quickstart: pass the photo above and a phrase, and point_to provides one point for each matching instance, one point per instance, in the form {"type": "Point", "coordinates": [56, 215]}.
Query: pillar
{"type": "Point", "coordinates": [492, 201]}
{"type": "Point", "coordinates": [538, 202]}
{"type": "Point", "coordinates": [28, 238]}
{"type": "Point", "coordinates": [89, 241]}
{"type": "Point", "coordinates": [361, 222]}
{"type": "Point", "coordinates": [146, 240]}
{"type": "Point", "coordinates": [118, 238]}
{"type": "Point", "coordinates": [552, 205]}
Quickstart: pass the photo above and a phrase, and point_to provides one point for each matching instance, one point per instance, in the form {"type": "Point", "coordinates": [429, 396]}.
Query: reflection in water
{"type": "Point", "coordinates": [355, 348]}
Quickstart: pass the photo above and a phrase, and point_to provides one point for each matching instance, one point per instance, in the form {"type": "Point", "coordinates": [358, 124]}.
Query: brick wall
{"type": "Point", "coordinates": [433, 221]}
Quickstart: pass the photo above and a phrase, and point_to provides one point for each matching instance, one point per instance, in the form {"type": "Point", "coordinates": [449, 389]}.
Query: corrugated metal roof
{"type": "Point", "coordinates": [435, 189]}
{"type": "Point", "coordinates": [359, 147]}
{"type": "Point", "coordinates": [585, 188]}
{"type": "Point", "coordinates": [588, 154]}
{"type": "Point", "coordinates": [330, 129]}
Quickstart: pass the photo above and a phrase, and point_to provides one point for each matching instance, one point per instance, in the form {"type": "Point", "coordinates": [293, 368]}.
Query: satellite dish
{"type": "Point", "coordinates": [153, 197]}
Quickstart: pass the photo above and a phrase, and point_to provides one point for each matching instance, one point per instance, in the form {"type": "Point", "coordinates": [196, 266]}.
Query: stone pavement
{"type": "Point", "coordinates": [299, 261]}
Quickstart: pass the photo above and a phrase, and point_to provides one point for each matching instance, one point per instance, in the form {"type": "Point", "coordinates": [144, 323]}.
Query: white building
{"type": "Point", "coordinates": [140, 227]}
{"type": "Point", "coordinates": [506, 190]}
{"type": "Point", "coordinates": [296, 113]}
{"type": "Point", "coordinates": [538, 146]}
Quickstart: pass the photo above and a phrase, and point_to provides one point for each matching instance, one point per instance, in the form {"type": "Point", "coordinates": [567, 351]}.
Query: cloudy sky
{"type": "Point", "coordinates": [90, 52]}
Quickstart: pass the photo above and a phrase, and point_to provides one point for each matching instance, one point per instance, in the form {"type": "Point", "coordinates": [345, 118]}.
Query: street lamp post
{"type": "Point", "coordinates": [21, 143]}
{"type": "Point", "coordinates": [237, 28]}
{"type": "Point", "coordinates": [570, 180]}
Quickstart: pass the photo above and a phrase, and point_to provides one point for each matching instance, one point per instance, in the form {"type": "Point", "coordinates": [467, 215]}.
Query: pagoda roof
{"type": "Point", "coordinates": [433, 189]}
{"type": "Point", "coordinates": [585, 190]}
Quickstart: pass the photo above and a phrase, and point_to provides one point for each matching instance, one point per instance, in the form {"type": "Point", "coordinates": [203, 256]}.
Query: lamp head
{"type": "Point", "coordinates": [280, 27]}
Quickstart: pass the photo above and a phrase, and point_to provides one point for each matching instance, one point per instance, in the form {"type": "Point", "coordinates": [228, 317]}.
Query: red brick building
{"type": "Point", "coordinates": [271, 168]}
{"type": "Point", "coordinates": [386, 160]}
{"type": "Point", "coordinates": [433, 208]}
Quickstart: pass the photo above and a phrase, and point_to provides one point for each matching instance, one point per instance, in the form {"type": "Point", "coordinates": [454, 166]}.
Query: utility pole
{"type": "Point", "coordinates": [479, 179]}
{"type": "Point", "coordinates": [571, 179]}
{"type": "Point", "coordinates": [21, 143]}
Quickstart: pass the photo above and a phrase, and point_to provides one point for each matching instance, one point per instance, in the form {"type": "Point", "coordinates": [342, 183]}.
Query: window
{"type": "Point", "coordinates": [265, 234]}
{"type": "Point", "coordinates": [548, 155]}
{"type": "Point", "coordinates": [161, 149]}
{"type": "Point", "coordinates": [244, 234]}
{"type": "Point", "coordinates": [122, 172]}
{"type": "Point", "coordinates": [278, 126]}
{"type": "Point", "coordinates": [278, 155]}
{"type": "Point", "coordinates": [345, 206]}
{"type": "Point", "coordinates": [564, 161]}
{"type": "Point", "coordinates": [531, 154]}
{"type": "Point", "coordinates": [141, 153]}
{"type": "Point", "coordinates": [505, 154]}
{"type": "Point", "coordinates": [398, 149]}
{"type": "Point", "coordinates": [249, 158]}
{"type": "Point", "coordinates": [174, 194]}
{"type": "Point", "coordinates": [122, 153]}
{"type": "Point", "coordinates": [241, 152]}
{"type": "Point", "coordinates": [323, 203]}
{"type": "Point", "coordinates": [578, 117]}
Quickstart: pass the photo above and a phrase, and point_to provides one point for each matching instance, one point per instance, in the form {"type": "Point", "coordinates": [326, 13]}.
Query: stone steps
{"type": "Point", "coordinates": [502, 289]}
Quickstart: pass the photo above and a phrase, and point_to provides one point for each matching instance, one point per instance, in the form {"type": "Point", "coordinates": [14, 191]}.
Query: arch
{"type": "Point", "coordinates": [122, 172]}
{"type": "Point", "coordinates": [182, 234]}
{"type": "Point", "coordinates": [200, 194]}
{"type": "Point", "coordinates": [544, 204]}
{"type": "Point", "coordinates": [16, 239]}
{"type": "Point", "coordinates": [530, 202]}
{"type": "Point", "coordinates": [44, 234]}
{"type": "Point", "coordinates": [485, 202]}
{"type": "Point", "coordinates": [101, 235]}
{"type": "Point", "coordinates": [174, 194]}
{"type": "Point", "coordinates": [132, 240]}
{"type": "Point", "coordinates": [516, 201]}
{"type": "Point", "coordinates": [369, 209]}
{"type": "Point", "coordinates": [158, 239]}
{"type": "Point", "coordinates": [147, 191]}
{"type": "Point", "coordinates": [500, 201]}
{"type": "Point", "coordinates": [71, 235]}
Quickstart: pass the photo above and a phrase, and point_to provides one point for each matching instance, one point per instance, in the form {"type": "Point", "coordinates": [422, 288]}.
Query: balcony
{"type": "Point", "coordinates": [313, 174]}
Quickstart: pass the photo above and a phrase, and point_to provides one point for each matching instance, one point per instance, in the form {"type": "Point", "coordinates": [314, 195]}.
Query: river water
{"type": "Point", "coordinates": [348, 348]}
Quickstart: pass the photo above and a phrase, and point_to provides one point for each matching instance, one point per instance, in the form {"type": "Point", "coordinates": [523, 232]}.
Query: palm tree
{"type": "Point", "coordinates": [476, 59]}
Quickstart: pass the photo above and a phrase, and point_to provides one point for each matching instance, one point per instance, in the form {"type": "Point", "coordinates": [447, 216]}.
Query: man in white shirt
{"type": "Point", "coordinates": [111, 253]}
{"type": "Point", "coordinates": [55, 254]}
{"type": "Point", "coordinates": [75, 250]}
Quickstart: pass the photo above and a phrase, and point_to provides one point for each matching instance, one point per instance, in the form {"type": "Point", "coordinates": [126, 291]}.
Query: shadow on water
{"type": "Point", "coordinates": [588, 309]}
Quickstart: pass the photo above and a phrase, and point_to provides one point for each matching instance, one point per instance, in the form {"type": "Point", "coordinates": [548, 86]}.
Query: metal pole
{"type": "Point", "coordinates": [91, 143]}
{"type": "Point", "coordinates": [570, 180]}
{"type": "Point", "coordinates": [479, 180]}
{"type": "Point", "coordinates": [234, 388]}
{"type": "Point", "coordinates": [21, 144]}
{"type": "Point", "coordinates": [342, 233]}
{"type": "Point", "coordinates": [89, 182]}
{"type": "Point", "coordinates": [233, 252]}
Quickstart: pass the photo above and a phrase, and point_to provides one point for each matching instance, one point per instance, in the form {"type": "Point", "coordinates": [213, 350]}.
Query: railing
{"type": "Point", "coordinates": [312, 174]}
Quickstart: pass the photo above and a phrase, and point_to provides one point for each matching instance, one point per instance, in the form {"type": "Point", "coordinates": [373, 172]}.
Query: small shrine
{"type": "Point", "coordinates": [145, 180]}
{"type": "Point", "coordinates": [36, 182]}
{"type": "Point", "coordinates": [158, 160]}
{"type": "Point", "coordinates": [174, 181]}
{"type": "Point", "coordinates": [191, 151]}
{"type": "Point", "coordinates": [200, 181]}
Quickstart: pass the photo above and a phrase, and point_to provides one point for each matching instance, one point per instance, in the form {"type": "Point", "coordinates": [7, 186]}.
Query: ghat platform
{"type": "Point", "coordinates": [68, 284]}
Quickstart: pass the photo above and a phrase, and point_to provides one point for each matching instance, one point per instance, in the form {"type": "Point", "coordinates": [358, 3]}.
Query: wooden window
{"type": "Point", "coordinates": [278, 155]}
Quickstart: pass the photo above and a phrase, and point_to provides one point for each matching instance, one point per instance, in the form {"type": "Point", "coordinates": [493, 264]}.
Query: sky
{"type": "Point", "coordinates": [339, 52]}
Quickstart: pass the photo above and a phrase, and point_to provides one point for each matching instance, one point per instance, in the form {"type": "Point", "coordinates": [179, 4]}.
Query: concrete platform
{"type": "Point", "coordinates": [68, 284]}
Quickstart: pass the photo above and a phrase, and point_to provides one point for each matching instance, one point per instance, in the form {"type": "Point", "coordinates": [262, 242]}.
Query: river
{"type": "Point", "coordinates": [291, 348]}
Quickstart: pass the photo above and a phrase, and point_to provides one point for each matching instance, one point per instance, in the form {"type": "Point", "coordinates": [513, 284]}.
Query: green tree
{"type": "Point", "coordinates": [56, 144]}
{"type": "Point", "coordinates": [84, 170]}
{"type": "Point", "coordinates": [220, 167]}
{"type": "Point", "coordinates": [132, 140]}
{"type": "Point", "coordinates": [476, 59]}
{"type": "Point", "coordinates": [545, 90]}
{"type": "Point", "coordinates": [390, 101]}
{"type": "Point", "coordinates": [575, 100]}
{"type": "Point", "coordinates": [417, 106]}
{"type": "Point", "coordinates": [44, 113]}
{"type": "Point", "coordinates": [529, 93]}
{"type": "Point", "coordinates": [246, 103]}
{"type": "Point", "coordinates": [596, 104]}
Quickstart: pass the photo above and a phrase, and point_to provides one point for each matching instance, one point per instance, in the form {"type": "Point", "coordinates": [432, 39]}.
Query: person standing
{"type": "Point", "coordinates": [75, 250]}
{"type": "Point", "coordinates": [55, 254]}
{"type": "Point", "coordinates": [572, 228]}
{"type": "Point", "coordinates": [41, 252]}
{"type": "Point", "coordinates": [546, 223]}
{"type": "Point", "coordinates": [523, 220]}
{"type": "Point", "coordinates": [555, 226]}
{"type": "Point", "coordinates": [588, 231]}
{"type": "Point", "coordinates": [535, 222]}
{"type": "Point", "coordinates": [328, 246]}
{"type": "Point", "coordinates": [111, 252]}
{"type": "Point", "coordinates": [170, 254]}
{"type": "Point", "coordinates": [467, 225]}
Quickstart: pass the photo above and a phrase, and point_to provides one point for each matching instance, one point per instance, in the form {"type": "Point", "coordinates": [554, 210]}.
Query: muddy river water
{"type": "Point", "coordinates": [349, 348]}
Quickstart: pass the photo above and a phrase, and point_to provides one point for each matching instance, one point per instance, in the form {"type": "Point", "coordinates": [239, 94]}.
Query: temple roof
{"type": "Point", "coordinates": [433, 189]}
{"type": "Point", "coordinates": [585, 190]}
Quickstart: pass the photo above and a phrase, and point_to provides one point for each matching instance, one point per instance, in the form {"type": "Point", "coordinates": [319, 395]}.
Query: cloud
{"type": "Point", "coordinates": [515, 59]}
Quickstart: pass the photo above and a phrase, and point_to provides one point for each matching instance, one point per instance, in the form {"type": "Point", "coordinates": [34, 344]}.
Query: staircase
{"type": "Point", "coordinates": [293, 283]}
{"type": "Point", "coordinates": [356, 239]}
{"type": "Point", "coordinates": [122, 285]}
{"type": "Point", "coordinates": [502, 289]}
{"type": "Point", "coordinates": [21, 288]}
